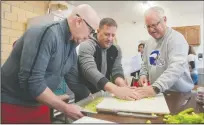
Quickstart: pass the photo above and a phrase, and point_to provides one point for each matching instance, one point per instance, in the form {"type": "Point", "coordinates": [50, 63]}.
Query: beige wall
{"type": "Point", "coordinates": [14, 15]}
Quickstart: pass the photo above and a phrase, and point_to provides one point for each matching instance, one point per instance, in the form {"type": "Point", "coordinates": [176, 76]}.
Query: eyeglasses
{"type": "Point", "coordinates": [153, 26]}
{"type": "Point", "coordinates": [92, 31]}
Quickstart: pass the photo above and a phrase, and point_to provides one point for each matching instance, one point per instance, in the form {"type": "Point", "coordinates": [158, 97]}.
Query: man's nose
{"type": "Point", "coordinates": [151, 29]}
{"type": "Point", "coordinates": [110, 38]}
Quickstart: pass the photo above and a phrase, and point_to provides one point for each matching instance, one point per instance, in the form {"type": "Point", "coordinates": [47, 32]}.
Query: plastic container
{"type": "Point", "coordinates": [62, 88]}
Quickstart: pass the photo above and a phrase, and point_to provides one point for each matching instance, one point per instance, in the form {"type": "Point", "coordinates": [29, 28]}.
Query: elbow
{"type": "Point", "coordinates": [36, 86]}
{"type": "Point", "coordinates": [36, 90]}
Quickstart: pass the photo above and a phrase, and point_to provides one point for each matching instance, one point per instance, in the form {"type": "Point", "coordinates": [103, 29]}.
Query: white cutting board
{"type": "Point", "coordinates": [156, 105]}
{"type": "Point", "coordinates": [87, 119]}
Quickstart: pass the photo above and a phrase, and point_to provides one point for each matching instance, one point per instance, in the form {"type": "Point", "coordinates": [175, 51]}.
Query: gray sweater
{"type": "Point", "coordinates": [88, 68]}
{"type": "Point", "coordinates": [170, 70]}
{"type": "Point", "coordinates": [88, 64]}
{"type": "Point", "coordinates": [25, 76]}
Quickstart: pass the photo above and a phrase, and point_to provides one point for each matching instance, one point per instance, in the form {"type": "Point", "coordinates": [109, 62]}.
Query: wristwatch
{"type": "Point", "coordinates": [156, 89]}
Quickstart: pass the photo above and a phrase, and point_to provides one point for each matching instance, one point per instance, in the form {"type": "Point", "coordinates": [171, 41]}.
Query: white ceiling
{"type": "Point", "coordinates": [133, 11]}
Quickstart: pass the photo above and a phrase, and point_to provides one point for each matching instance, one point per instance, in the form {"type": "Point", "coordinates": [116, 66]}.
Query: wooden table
{"type": "Point", "coordinates": [174, 101]}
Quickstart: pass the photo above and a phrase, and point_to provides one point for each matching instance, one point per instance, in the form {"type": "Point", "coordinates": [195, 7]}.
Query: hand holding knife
{"type": "Point", "coordinates": [186, 101]}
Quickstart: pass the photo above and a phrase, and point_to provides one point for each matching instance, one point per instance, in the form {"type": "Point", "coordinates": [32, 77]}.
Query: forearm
{"type": "Point", "coordinates": [49, 98]}
{"type": "Point", "coordinates": [110, 87]}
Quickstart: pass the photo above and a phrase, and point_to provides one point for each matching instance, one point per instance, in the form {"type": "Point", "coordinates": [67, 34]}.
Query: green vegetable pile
{"type": "Point", "coordinates": [92, 105]}
{"type": "Point", "coordinates": [187, 116]}
{"type": "Point", "coordinates": [148, 122]}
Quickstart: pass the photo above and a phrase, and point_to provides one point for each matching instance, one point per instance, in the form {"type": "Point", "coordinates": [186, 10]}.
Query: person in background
{"type": "Point", "coordinates": [165, 58]}
{"type": "Point", "coordinates": [99, 63]}
{"type": "Point", "coordinates": [192, 60]}
{"type": "Point", "coordinates": [40, 59]}
{"type": "Point", "coordinates": [141, 49]}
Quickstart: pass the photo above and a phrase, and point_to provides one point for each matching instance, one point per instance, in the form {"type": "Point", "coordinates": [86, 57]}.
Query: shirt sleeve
{"type": "Point", "coordinates": [117, 70]}
{"type": "Point", "coordinates": [88, 65]}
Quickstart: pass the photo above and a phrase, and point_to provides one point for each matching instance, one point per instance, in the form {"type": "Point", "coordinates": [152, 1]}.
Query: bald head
{"type": "Point", "coordinates": [83, 22]}
{"type": "Point", "coordinates": [87, 13]}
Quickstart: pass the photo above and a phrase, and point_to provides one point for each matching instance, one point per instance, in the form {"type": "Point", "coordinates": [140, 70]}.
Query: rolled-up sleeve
{"type": "Point", "coordinates": [32, 67]}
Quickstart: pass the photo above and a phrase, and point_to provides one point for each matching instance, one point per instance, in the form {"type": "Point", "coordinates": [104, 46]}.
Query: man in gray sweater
{"type": "Point", "coordinates": [40, 59]}
{"type": "Point", "coordinates": [165, 58]}
{"type": "Point", "coordinates": [99, 63]}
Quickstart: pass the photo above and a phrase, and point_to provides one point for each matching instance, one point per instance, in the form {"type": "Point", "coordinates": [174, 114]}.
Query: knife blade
{"type": "Point", "coordinates": [186, 101]}
{"type": "Point", "coordinates": [135, 115]}
{"type": "Point", "coordinates": [122, 113]}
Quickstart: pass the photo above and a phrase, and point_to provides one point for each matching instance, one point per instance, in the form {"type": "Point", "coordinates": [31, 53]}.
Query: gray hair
{"type": "Point", "coordinates": [157, 9]}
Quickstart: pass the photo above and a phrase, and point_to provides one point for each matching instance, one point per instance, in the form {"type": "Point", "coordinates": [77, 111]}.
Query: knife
{"type": "Point", "coordinates": [122, 113]}
{"type": "Point", "coordinates": [186, 101]}
{"type": "Point", "coordinates": [135, 115]}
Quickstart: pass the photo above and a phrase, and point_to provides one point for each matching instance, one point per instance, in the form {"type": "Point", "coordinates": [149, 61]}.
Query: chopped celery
{"type": "Point", "coordinates": [92, 105]}
{"type": "Point", "coordinates": [148, 122]}
{"type": "Point", "coordinates": [187, 116]}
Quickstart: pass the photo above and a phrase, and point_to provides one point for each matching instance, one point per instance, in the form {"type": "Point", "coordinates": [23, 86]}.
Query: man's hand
{"type": "Point", "coordinates": [126, 93]}
{"type": "Point", "coordinates": [63, 97]}
{"type": "Point", "coordinates": [49, 98]}
{"type": "Point", "coordinates": [121, 82]}
{"type": "Point", "coordinates": [145, 91]}
{"type": "Point", "coordinates": [73, 112]}
{"type": "Point", "coordinates": [143, 80]}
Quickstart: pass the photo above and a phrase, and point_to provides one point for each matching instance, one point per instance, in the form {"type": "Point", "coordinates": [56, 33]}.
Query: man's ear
{"type": "Point", "coordinates": [165, 19]}
{"type": "Point", "coordinates": [98, 30]}
{"type": "Point", "coordinates": [78, 21]}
